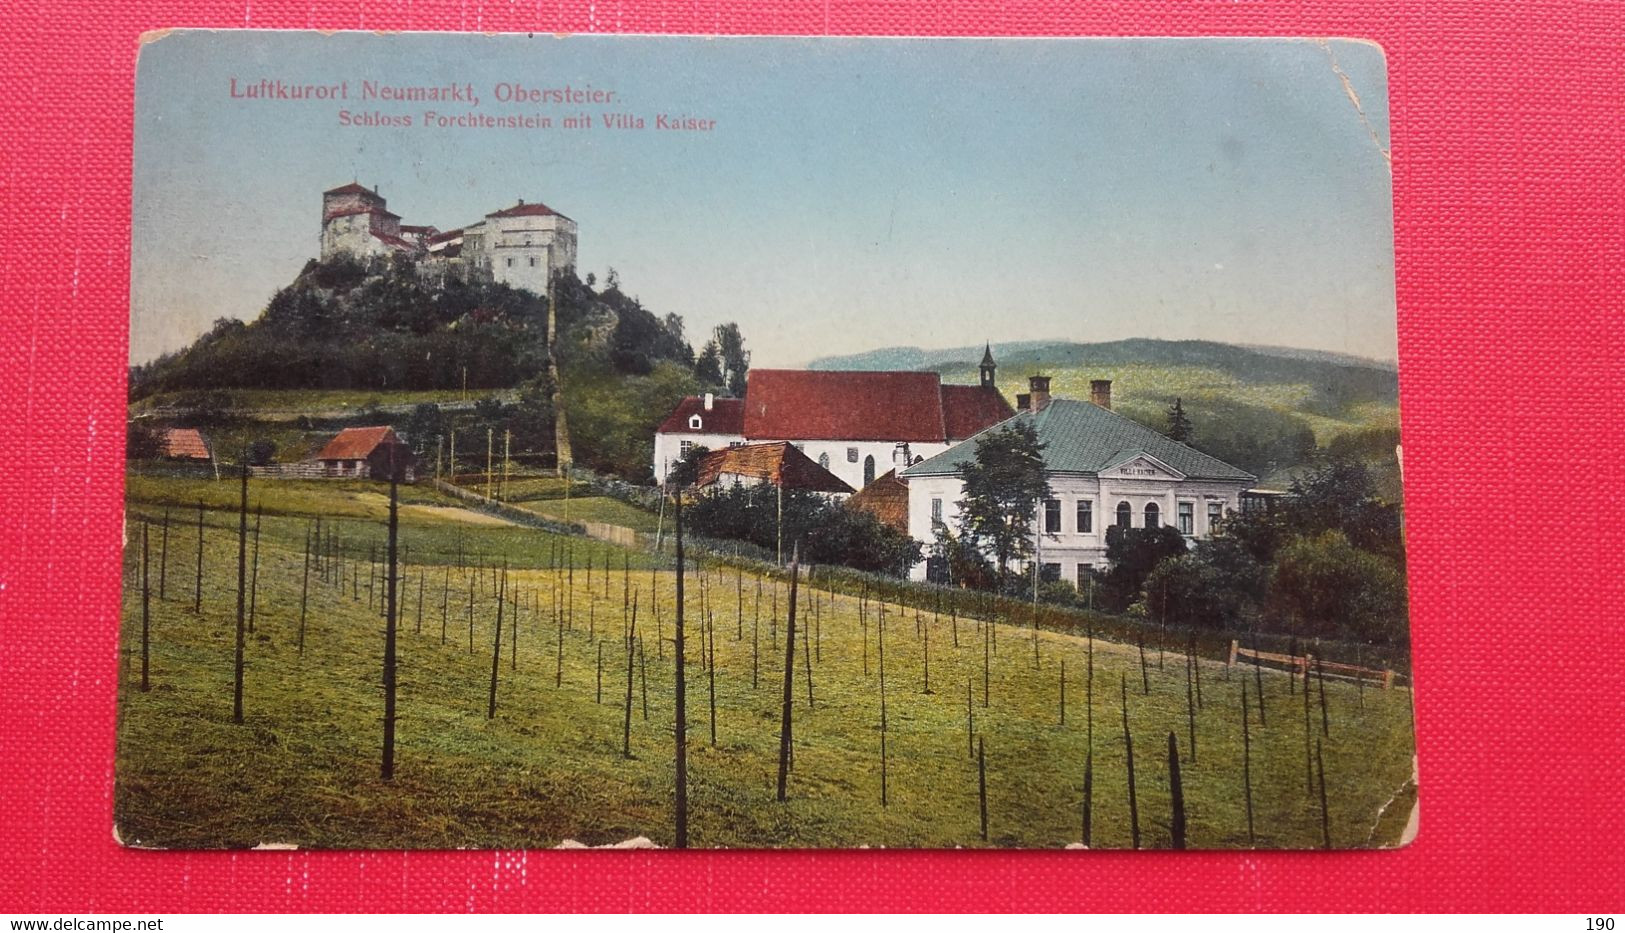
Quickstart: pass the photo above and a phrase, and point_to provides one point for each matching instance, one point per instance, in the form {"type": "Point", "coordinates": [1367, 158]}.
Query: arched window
{"type": "Point", "coordinates": [868, 470]}
{"type": "Point", "coordinates": [823, 460]}
{"type": "Point", "coordinates": [1125, 515]}
{"type": "Point", "coordinates": [1152, 513]}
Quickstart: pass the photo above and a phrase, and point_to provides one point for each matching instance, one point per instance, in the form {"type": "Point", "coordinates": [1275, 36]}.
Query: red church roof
{"type": "Point", "coordinates": [969, 409]}
{"type": "Point", "coordinates": [358, 443]}
{"type": "Point", "coordinates": [727, 416]}
{"type": "Point", "coordinates": [798, 404]}
{"type": "Point", "coordinates": [780, 464]}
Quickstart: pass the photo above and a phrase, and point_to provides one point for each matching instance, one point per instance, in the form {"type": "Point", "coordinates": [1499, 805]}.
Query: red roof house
{"type": "Point", "coordinates": [779, 464]}
{"type": "Point", "coordinates": [886, 499]}
{"type": "Point", "coordinates": [367, 452]}
{"type": "Point", "coordinates": [183, 444]}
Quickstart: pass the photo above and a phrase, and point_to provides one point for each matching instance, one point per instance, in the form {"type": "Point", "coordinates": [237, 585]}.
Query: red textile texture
{"type": "Point", "coordinates": [1508, 140]}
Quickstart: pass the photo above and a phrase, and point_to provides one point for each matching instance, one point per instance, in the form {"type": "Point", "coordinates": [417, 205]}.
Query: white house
{"type": "Point", "coordinates": [1103, 469]}
{"type": "Point", "coordinates": [856, 425]}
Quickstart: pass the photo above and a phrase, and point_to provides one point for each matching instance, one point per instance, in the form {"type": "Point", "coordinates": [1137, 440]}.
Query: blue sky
{"type": "Point", "coordinates": [855, 193]}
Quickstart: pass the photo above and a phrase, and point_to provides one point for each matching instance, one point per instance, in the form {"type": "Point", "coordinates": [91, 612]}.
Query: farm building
{"type": "Point", "coordinates": [779, 464]}
{"type": "Point", "coordinates": [366, 453]}
{"type": "Point", "coordinates": [1103, 469]}
{"type": "Point", "coordinates": [184, 444]}
{"type": "Point", "coordinates": [886, 499]}
{"type": "Point", "coordinates": [851, 423]}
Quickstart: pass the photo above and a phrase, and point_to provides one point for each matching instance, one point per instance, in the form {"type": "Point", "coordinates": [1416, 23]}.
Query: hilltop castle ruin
{"type": "Point", "coordinates": [521, 246]}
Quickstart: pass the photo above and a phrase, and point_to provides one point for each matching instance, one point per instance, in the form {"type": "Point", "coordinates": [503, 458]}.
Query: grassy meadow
{"type": "Point", "coordinates": [303, 766]}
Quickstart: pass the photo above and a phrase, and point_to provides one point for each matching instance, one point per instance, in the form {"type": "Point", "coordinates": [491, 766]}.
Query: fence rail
{"type": "Point", "coordinates": [1301, 664]}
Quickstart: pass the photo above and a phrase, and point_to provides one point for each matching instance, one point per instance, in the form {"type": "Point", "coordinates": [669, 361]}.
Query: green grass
{"type": "Point", "coordinates": [303, 766]}
{"type": "Point", "coordinates": [596, 509]}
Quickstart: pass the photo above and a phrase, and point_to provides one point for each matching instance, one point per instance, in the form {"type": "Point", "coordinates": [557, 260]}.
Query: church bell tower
{"type": "Point", "coordinates": [988, 367]}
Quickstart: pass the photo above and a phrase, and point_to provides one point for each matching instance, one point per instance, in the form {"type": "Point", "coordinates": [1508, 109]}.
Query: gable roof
{"type": "Point", "coordinates": [780, 464]}
{"type": "Point", "coordinates": [727, 416]}
{"type": "Point", "coordinates": [358, 443]}
{"type": "Point", "coordinates": [886, 499]}
{"type": "Point", "coordinates": [968, 409]}
{"type": "Point", "coordinates": [183, 444]}
{"type": "Point", "coordinates": [537, 209]}
{"type": "Point", "coordinates": [353, 188]}
{"type": "Point", "coordinates": [1081, 437]}
{"type": "Point", "coordinates": [805, 404]}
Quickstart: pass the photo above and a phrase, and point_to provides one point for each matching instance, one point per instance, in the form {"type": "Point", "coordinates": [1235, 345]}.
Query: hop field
{"type": "Point", "coordinates": [551, 764]}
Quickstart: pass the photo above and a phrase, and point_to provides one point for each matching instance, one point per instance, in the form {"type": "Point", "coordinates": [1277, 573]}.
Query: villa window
{"type": "Point", "coordinates": [1153, 515]}
{"type": "Point", "coordinates": [1215, 513]}
{"type": "Point", "coordinates": [1187, 518]}
{"type": "Point", "coordinates": [868, 470]}
{"type": "Point", "coordinates": [936, 511]}
{"type": "Point", "coordinates": [1086, 516]}
{"type": "Point", "coordinates": [1085, 573]}
{"type": "Point", "coordinates": [695, 423]}
{"type": "Point", "coordinates": [510, 262]}
{"type": "Point", "coordinates": [683, 447]}
{"type": "Point", "coordinates": [533, 261]}
{"type": "Point", "coordinates": [1052, 516]}
{"type": "Point", "coordinates": [851, 455]}
{"type": "Point", "coordinates": [1125, 515]}
{"type": "Point", "coordinates": [1050, 573]}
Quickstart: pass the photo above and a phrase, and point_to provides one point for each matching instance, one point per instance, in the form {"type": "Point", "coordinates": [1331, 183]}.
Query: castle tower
{"type": "Point", "coordinates": [988, 367]}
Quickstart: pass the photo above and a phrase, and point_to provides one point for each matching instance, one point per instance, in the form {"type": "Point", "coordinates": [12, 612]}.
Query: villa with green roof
{"type": "Point", "coordinates": [1103, 469]}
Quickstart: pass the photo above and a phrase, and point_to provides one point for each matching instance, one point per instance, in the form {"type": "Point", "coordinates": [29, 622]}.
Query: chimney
{"type": "Point", "coordinates": [1100, 392]}
{"type": "Point", "coordinates": [1039, 386]}
{"type": "Point", "coordinates": [711, 401]}
{"type": "Point", "coordinates": [1023, 400]}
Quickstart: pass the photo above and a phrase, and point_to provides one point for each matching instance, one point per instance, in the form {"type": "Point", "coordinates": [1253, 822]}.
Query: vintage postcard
{"type": "Point", "coordinates": [547, 441]}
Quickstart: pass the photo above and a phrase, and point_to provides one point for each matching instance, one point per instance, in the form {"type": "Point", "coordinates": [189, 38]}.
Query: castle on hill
{"type": "Point", "coordinates": [522, 246]}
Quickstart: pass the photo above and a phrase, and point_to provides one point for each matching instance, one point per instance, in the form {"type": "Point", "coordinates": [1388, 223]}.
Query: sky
{"type": "Point", "coordinates": [853, 194]}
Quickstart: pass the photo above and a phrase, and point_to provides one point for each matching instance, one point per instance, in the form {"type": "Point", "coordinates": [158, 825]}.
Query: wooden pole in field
{"type": "Point", "coordinates": [197, 592]}
{"type": "Point", "coordinates": [981, 782]}
{"type": "Point", "coordinates": [445, 602]}
{"type": "Point", "coordinates": [1308, 732]}
{"type": "Point", "coordinates": [392, 616]}
{"type": "Point", "coordinates": [163, 560]}
{"type": "Point", "coordinates": [1089, 749]}
{"type": "Point", "coordinates": [626, 727]}
{"type": "Point", "coordinates": [146, 598]}
{"type": "Point", "coordinates": [489, 437]}
{"type": "Point", "coordinates": [1128, 748]}
{"type": "Point", "coordinates": [242, 585]}
{"type": "Point", "coordinates": [789, 673]}
{"type": "Point", "coordinates": [987, 659]}
{"type": "Point", "coordinates": [470, 613]}
{"type": "Point", "coordinates": [739, 604]}
{"type": "Point", "coordinates": [1320, 680]}
{"type": "Point", "coordinates": [711, 670]}
{"type": "Point", "coordinates": [496, 655]}
{"type": "Point", "coordinates": [1247, 763]}
{"type": "Point", "coordinates": [927, 657]}
{"type": "Point", "coordinates": [599, 696]}
{"type": "Point", "coordinates": [970, 722]}
{"type": "Point", "coordinates": [885, 726]}
{"type": "Point", "coordinates": [254, 579]}
{"type": "Point", "coordinates": [1190, 704]}
{"type": "Point", "coordinates": [1258, 679]}
{"type": "Point", "coordinates": [513, 624]}
{"type": "Point", "coordinates": [806, 652]}
{"type": "Point", "coordinates": [643, 675]}
{"type": "Point", "coordinates": [681, 690]}
{"type": "Point", "coordinates": [1145, 678]}
{"type": "Point", "coordinates": [1325, 813]}
{"type": "Point", "coordinates": [419, 627]}
{"type": "Point", "coordinates": [756, 637]}
{"type": "Point", "coordinates": [1177, 792]}
{"type": "Point", "coordinates": [304, 594]}
{"type": "Point", "coordinates": [558, 623]}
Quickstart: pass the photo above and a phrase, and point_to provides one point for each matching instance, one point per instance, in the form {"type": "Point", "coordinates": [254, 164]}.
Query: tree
{"type": "Point", "coordinates": [1187, 590]}
{"type": "Point", "coordinates": [686, 471]}
{"type": "Point", "coordinates": [1337, 590]}
{"type": "Point", "coordinates": [708, 367]}
{"type": "Point", "coordinates": [1133, 554]}
{"type": "Point", "coordinates": [1002, 488]}
{"type": "Point", "coordinates": [1179, 426]}
{"type": "Point", "coordinates": [735, 358]}
{"type": "Point", "coordinates": [143, 442]}
{"type": "Point", "coordinates": [261, 452]}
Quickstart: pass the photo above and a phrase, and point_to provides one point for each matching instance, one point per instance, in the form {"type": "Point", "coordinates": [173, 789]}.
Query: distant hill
{"type": "Point", "coordinates": [1270, 410]}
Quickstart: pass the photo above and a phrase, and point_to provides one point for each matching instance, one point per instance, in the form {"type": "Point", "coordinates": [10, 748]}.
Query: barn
{"type": "Point", "coordinates": [367, 453]}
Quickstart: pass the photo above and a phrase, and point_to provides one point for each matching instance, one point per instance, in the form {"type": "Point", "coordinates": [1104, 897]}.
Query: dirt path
{"type": "Point", "coordinates": [455, 514]}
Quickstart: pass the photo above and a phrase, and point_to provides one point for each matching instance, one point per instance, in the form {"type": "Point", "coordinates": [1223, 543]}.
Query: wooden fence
{"type": "Point", "coordinates": [1302, 664]}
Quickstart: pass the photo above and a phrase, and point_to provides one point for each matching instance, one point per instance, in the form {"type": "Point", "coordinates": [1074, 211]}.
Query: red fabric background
{"type": "Point", "coordinates": [1508, 143]}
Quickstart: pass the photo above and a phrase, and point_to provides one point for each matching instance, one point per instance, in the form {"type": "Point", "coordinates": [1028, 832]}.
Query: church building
{"type": "Point", "coordinates": [1103, 469]}
{"type": "Point", "coordinates": [857, 425]}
